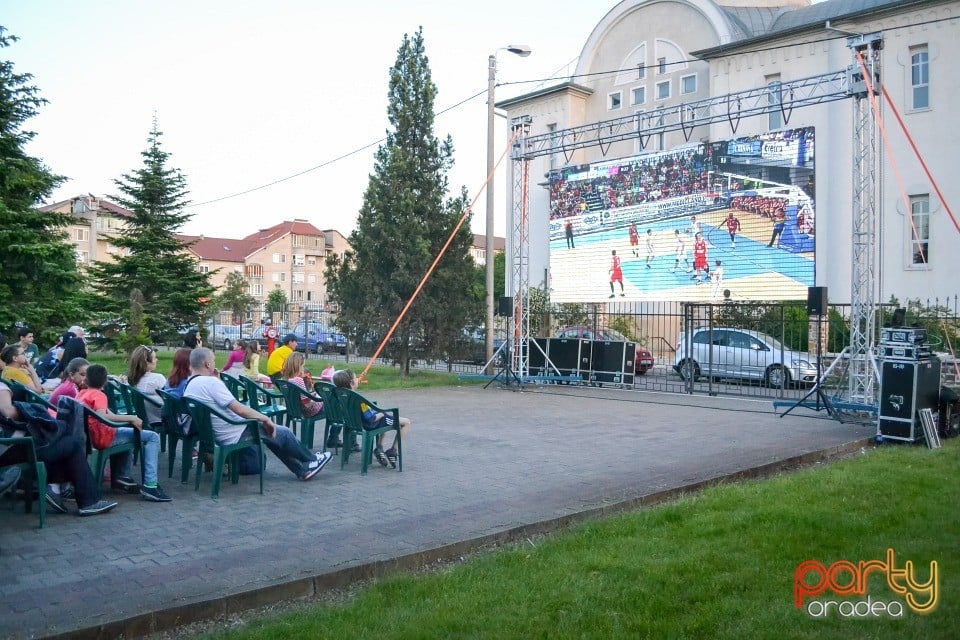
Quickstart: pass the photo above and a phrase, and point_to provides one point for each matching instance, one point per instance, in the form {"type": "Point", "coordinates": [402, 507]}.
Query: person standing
{"type": "Point", "coordinates": [616, 274]}
{"type": "Point", "coordinates": [634, 240]}
{"type": "Point", "coordinates": [717, 276]}
{"type": "Point", "coordinates": [733, 227]}
{"type": "Point", "coordinates": [700, 258]}
{"type": "Point", "coordinates": [30, 350]}
{"type": "Point", "coordinates": [681, 251]}
{"type": "Point", "coordinates": [778, 224]}
{"type": "Point", "coordinates": [568, 231]}
{"type": "Point", "coordinates": [651, 253]}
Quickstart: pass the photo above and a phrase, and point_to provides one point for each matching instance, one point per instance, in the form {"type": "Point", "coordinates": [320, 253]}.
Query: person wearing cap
{"type": "Point", "coordinates": [279, 356]}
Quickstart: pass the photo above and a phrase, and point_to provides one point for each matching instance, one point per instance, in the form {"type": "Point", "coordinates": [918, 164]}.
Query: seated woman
{"type": "Point", "coordinates": [142, 374]}
{"type": "Point", "coordinates": [293, 372]}
{"type": "Point", "coordinates": [74, 377]}
{"type": "Point", "coordinates": [234, 366]}
{"type": "Point", "coordinates": [17, 368]}
{"type": "Point", "coordinates": [251, 365]}
{"type": "Point", "coordinates": [180, 373]}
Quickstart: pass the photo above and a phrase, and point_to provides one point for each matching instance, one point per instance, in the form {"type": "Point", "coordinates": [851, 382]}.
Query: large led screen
{"type": "Point", "coordinates": [692, 223]}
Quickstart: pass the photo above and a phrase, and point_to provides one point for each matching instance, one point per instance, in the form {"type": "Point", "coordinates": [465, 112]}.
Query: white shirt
{"type": "Point", "coordinates": [148, 386]}
{"type": "Point", "coordinates": [212, 391]}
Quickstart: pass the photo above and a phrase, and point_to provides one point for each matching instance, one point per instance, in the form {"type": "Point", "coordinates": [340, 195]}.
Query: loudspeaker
{"type": "Point", "coordinates": [899, 317]}
{"type": "Point", "coordinates": [816, 301]}
{"type": "Point", "coordinates": [505, 306]}
{"type": "Point", "coordinates": [906, 388]}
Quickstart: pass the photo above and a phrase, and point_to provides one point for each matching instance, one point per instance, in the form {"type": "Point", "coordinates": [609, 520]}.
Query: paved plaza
{"type": "Point", "coordinates": [480, 465]}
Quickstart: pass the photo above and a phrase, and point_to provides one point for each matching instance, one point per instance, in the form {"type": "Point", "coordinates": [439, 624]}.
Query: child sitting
{"type": "Point", "coordinates": [103, 436]}
{"type": "Point", "coordinates": [347, 379]}
{"type": "Point", "coordinates": [294, 373]}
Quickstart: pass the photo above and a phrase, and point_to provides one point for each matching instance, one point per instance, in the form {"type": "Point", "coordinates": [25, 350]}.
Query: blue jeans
{"type": "Point", "coordinates": [151, 453]}
{"type": "Point", "coordinates": [289, 450]}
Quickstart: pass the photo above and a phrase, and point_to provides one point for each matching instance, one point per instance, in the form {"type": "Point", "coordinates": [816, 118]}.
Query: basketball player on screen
{"type": "Point", "coordinates": [616, 275]}
{"type": "Point", "coordinates": [651, 254]}
{"type": "Point", "coordinates": [681, 252]}
{"type": "Point", "coordinates": [700, 258]}
{"type": "Point", "coordinates": [634, 240]}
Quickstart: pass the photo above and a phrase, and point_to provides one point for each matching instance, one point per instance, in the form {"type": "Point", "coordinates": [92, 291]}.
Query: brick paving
{"type": "Point", "coordinates": [478, 463]}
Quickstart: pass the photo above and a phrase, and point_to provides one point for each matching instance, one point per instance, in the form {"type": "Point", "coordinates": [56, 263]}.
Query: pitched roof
{"type": "Point", "coordinates": [480, 242]}
{"type": "Point", "coordinates": [217, 249]}
{"type": "Point", "coordinates": [263, 237]}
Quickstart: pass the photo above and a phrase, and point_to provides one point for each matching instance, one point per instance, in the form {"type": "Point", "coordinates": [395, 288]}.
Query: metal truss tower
{"type": "Point", "coordinates": [863, 377]}
{"type": "Point", "coordinates": [730, 109]}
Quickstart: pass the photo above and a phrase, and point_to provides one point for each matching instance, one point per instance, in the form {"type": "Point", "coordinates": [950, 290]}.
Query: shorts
{"type": "Point", "coordinates": [384, 421]}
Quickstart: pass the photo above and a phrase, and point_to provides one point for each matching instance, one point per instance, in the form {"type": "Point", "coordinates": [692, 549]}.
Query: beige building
{"type": "Point", "coordinates": [95, 222]}
{"type": "Point", "coordinates": [478, 250]}
{"type": "Point", "coordinates": [648, 54]}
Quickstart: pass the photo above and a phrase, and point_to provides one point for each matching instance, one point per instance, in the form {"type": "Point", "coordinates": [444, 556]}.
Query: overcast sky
{"type": "Point", "coordinates": [247, 92]}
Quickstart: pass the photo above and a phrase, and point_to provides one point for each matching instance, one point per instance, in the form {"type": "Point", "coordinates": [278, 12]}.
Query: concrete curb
{"type": "Point", "coordinates": [223, 607]}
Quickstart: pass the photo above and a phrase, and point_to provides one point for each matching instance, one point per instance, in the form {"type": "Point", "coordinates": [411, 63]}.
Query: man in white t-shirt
{"type": "Point", "coordinates": [208, 388]}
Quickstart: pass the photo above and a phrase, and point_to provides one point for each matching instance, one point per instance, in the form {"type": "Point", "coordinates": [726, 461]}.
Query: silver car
{"type": "Point", "coordinates": [746, 355]}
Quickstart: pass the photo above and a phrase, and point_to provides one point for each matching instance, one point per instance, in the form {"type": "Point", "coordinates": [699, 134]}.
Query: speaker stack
{"type": "Point", "coordinates": [909, 382]}
{"type": "Point", "coordinates": [597, 362]}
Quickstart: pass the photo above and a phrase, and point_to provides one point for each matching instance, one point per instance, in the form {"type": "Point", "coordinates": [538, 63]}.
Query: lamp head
{"type": "Point", "coordinates": [521, 50]}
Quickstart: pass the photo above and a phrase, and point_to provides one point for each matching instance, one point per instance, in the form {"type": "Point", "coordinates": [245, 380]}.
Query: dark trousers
{"type": "Point", "coordinates": [66, 461]}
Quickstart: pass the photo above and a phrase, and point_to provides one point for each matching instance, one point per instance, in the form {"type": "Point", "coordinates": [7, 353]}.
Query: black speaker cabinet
{"type": "Point", "coordinates": [905, 388]}
{"type": "Point", "coordinates": [610, 363]}
{"type": "Point", "coordinates": [536, 359]}
{"type": "Point", "coordinates": [505, 306]}
{"type": "Point", "coordinates": [816, 301]}
{"type": "Point", "coordinates": [571, 356]}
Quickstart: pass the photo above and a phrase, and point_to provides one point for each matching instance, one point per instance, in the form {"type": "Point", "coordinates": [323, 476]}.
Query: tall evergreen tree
{"type": "Point", "coordinates": [405, 219]}
{"type": "Point", "coordinates": [152, 260]}
{"type": "Point", "coordinates": [40, 282]}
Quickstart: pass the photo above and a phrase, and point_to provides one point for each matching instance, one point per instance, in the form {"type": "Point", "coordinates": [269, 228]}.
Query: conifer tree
{"type": "Point", "coordinates": [405, 219]}
{"type": "Point", "coordinates": [152, 258]}
{"type": "Point", "coordinates": [40, 285]}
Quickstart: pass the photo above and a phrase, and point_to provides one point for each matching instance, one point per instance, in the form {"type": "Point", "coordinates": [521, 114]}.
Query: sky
{"type": "Point", "coordinates": [247, 93]}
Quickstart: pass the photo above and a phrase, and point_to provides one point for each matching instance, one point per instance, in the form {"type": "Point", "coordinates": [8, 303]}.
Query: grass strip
{"type": "Point", "coordinates": [717, 564]}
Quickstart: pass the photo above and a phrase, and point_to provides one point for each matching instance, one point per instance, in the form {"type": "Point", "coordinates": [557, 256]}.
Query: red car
{"type": "Point", "coordinates": [642, 362]}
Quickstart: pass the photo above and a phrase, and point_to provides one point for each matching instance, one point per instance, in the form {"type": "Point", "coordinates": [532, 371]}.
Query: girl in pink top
{"type": "Point", "coordinates": [74, 379]}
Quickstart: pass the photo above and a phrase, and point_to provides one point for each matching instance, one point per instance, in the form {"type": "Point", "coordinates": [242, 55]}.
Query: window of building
{"type": "Point", "coordinates": [83, 256]}
{"type": "Point", "coordinates": [299, 260]}
{"type": "Point", "coordinates": [312, 278]}
{"type": "Point", "coordinates": [298, 278]}
{"type": "Point", "coordinates": [256, 290]}
{"type": "Point", "coordinates": [203, 268]}
{"type": "Point", "coordinates": [279, 258]}
{"type": "Point", "coordinates": [276, 277]}
{"type": "Point", "coordinates": [661, 65]}
{"type": "Point", "coordinates": [296, 295]}
{"type": "Point", "coordinates": [688, 84]}
{"type": "Point", "coordinates": [297, 241]}
{"type": "Point", "coordinates": [920, 77]}
{"type": "Point", "coordinates": [638, 95]}
{"type": "Point", "coordinates": [81, 235]}
{"type": "Point", "coordinates": [663, 90]}
{"type": "Point", "coordinates": [920, 230]}
{"type": "Point", "coordinates": [311, 261]}
{"type": "Point", "coordinates": [613, 100]}
{"type": "Point", "coordinates": [283, 277]}
{"type": "Point", "coordinates": [641, 71]}
{"type": "Point", "coordinates": [774, 99]}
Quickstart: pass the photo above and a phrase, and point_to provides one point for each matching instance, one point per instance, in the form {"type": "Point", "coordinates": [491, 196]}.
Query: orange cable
{"type": "Point", "coordinates": [920, 158]}
{"type": "Point", "coordinates": [426, 276]}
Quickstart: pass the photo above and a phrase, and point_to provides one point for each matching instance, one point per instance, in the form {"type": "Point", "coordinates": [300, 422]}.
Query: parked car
{"type": "Point", "coordinates": [642, 362]}
{"type": "Point", "coordinates": [473, 349]}
{"type": "Point", "coordinates": [315, 337]}
{"type": "Point", "coordinates": [746, 355]}
{"type": "Point", "coordinates": [227, 335]}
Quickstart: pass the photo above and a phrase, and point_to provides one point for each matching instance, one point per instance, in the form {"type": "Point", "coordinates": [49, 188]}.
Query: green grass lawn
{"type": "Point", "coordinates": [718, 564]}
{"type": "Point", "coordinates": [379, 377]}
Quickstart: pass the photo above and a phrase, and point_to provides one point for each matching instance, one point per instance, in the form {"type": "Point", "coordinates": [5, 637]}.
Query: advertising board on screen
{"type": "Point", "coordinates": [693, 223]}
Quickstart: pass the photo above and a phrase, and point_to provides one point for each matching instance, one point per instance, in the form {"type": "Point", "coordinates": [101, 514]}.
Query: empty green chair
{"type": "Point", "coordinates": [269, 402]}
{"type": "Point", "coordinates": [31, 468]}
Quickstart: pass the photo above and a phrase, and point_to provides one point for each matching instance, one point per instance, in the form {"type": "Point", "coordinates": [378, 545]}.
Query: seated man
{"type": "Point", "coordinates": [208, 388]}
{"type": "Point", "coordinates": [279, 355]}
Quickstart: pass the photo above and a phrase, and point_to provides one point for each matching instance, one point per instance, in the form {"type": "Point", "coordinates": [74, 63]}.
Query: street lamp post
{"type": "Point", "coordinates": [523, 51]}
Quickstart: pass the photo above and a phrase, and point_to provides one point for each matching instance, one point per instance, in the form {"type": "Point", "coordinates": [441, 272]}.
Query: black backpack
{"type": "Point", "coordinates": [48, 366]}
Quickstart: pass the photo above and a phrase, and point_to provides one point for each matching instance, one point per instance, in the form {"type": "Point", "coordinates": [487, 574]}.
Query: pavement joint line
{"type": "Point", "coordinates": [222, 607]}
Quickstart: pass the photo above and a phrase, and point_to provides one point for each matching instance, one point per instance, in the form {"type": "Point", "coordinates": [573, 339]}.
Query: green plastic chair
{"type": "Point", "coordinates": [100, 456]}
{"type": "Point", "coordinates": [201, 414]}
{"type": "Point", "coordinates": [269, 402]}
{"type": "Point", "coordinates": [29, 395]}
{"type": "Point", "coordinates": [293, 399]}
{"type": "Point", "coordinates": [235, 386]}
{"type": "Point", "coordinates": [31, 467]}
{"type": "Point", "coordinates": [117, 399]}
{"type": "Point", "coordinates": [353, 416]}
{"type": "Point", "coordinates": [174, 406]}
{"type": "Point", "coordinates": [331, 410]}
{"type": "Point", "coordinates": [139, 401]}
